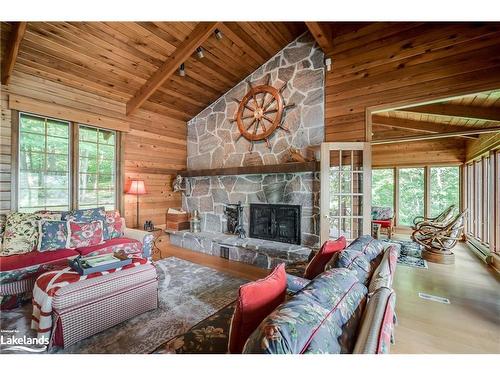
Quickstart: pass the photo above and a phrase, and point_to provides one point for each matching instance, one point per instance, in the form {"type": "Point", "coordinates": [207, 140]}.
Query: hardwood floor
{"type": "Point", "coordinates": [469, 324]}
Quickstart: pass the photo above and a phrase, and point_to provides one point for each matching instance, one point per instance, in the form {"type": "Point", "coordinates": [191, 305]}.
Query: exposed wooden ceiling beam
{"type": "Point", "coordinates": [425, 137]}
{"type": "Point", "coordinates": [199, 34]}
{"type": "Point", "coordinates": [322, 33]}
{"type": "Point", "coordinates": [456, 110]}
{"type": "Point", "coordinates": [423, 126]}
{"type": "Point", "coordinates": [17, 34]}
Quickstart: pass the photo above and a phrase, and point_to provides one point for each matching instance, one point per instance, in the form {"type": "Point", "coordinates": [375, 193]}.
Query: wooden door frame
{"type": "Point", "coordinates": [326, 147]}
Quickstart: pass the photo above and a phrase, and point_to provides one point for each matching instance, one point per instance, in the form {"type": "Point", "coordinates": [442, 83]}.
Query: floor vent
{"type": "Point", "coordinates": [430, 297]}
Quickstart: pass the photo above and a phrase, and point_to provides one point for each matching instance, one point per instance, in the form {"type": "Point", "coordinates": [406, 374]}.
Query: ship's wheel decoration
{"type": "Point", "coordinates": [260, 112]}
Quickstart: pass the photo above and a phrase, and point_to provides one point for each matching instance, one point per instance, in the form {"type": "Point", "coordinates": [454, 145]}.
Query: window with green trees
{"type": "Point", "coordinates": [47, 168]}
{"type": "Point", "coordinates": [383, 187]}
{"type": "Point", "coordinates": [444, 188]}
{"type": "Point", "coordinates": [43, 164]}
{"type": "Point", "coordinates": [411, 195]}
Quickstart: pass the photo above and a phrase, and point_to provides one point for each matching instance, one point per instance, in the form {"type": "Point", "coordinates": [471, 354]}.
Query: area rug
{"type": "Point", "coordinates": [410, 253]}
{"type": "Point", "coordinates": [188, 293]}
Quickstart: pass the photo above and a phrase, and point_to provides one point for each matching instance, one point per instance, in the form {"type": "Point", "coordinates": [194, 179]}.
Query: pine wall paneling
{"type": "Point", "coordinates": [154, 147]}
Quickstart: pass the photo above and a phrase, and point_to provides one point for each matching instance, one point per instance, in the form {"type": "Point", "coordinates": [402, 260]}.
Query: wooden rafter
{"type": "Point", "coordinates": [422, 126]}
{"type": "Point", "coordinates": [454, 110]}
{"type": "Point", "coordinates": [199, 34]}
{"type": "Point", "coordinates": [18, 30]}
{"type": "Point", "coordinates": [322, 33]}
{"type": "Point", "coordinates": [425, 137]}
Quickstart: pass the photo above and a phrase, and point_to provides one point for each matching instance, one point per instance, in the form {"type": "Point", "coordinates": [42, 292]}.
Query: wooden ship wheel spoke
{"type": "Point", "coordinates": [260, 113]}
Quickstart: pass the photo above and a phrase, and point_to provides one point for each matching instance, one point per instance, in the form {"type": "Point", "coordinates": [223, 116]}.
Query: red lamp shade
{"type": "Point", "coordinates": [137, 188]}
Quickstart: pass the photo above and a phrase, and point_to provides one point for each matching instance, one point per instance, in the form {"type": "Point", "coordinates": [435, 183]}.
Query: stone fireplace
{"type": "Point", "coordinates": [214, 142]}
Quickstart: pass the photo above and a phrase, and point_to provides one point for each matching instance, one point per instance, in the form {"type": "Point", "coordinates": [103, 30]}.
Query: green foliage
{"type": "Point", "coordinates": [383, 187]}
{"type": "Point", "coordinates": [444, 188]}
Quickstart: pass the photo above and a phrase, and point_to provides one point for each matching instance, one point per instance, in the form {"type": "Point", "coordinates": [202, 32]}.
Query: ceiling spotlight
{"type": "Point", "coordinates": [218, 34]}
{"type": "Point", "coordinates": [182, 70]}
{"type": "Point", "coordinates": [199, 52]}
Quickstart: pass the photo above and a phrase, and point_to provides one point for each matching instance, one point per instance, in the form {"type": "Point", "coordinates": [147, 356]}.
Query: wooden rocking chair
{"type": "Point", "coordinates": [443, 217]}
{"type": "Point", "coordinates": [438, 239]}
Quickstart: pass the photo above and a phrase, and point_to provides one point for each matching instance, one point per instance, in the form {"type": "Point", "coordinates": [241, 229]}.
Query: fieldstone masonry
{"type": "Point", "coordinates": [214, 142]}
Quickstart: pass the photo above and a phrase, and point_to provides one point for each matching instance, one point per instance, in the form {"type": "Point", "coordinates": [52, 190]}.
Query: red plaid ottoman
{"type": "Point", "coordinates": [90, 306]}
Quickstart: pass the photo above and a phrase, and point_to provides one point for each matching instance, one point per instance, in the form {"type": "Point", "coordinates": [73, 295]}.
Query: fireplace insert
{"type": "Point", "coordinates": [275, 222]}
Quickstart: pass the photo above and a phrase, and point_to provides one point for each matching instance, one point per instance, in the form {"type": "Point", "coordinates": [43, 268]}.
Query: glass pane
{"type": "Point", "coordinates": [88, 165]}
{"type": "Point", "coordinates": [28, 180]}
{"type": "Point", "coordinates": [87, 134]}
{"type": "Point", "coordinates": [383, 187]}
{"type": "Point", "coordinates": [106, 152]}
{"type": "Point", "coordinates": [88, 181]}
{"type": "Point", "coordinates": [57, 145]}
{"type": "Point", "coordinates": [32, 198]}
{"type": "Point", "coordinates": [57, 128]}
{"type": "Point", "coordinates": [56, 180]}
{"type": "Point", "coordinates": [444, 188]}
{"type": "Point", "coordinates": [106, 137]}
{"type": "Point", "coordinates": [106, 181]}
{"type": "Point", "coordinates": [88, 197]}
{"type": "Point", "coordinates": [57, 197]}
{"type": "Point", "coordinates": [88, 150]}
{"type": "Point", "coordinates": [106, 197]}
{"type": "Point", "coordinates": [32, 142]}
{"type": "Point", "coordinates": [31, 161]}
{"type": "Point", "coordinates": [57, 163]}
{"type": "Point", "coordinates": [107, 166]}
{"type": "Point", "coordinates": [32, 124]}
{"type": "Point", "coordinates": [411, 195]}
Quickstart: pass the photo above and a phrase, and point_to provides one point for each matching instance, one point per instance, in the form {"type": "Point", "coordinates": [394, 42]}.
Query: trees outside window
{"type": "Point", "coordinates": [47, 168]}
{"type": "Point", "coordinates": [383, 187]}
{"type": "Point", "coordinates": [411, 195]}
{"type": "Point", "coordinates": [444, 189]}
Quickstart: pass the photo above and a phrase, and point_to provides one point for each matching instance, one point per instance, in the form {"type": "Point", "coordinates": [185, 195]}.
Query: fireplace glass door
{"type": "Point", "coordinates": [345, 190]}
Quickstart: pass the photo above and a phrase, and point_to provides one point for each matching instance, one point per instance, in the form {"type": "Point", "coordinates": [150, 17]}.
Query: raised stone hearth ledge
{"type": "Point", "coordinates": [260, 253]}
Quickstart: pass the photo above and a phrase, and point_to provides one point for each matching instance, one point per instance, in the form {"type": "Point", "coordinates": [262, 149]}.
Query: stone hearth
{"type": "Point", "coordinates": [260, 253]}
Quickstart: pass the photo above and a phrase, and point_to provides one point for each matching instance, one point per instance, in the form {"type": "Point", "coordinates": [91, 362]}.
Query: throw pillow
{"type": "Point", "coordinates": [21, 233]}
{"type": "Point", "coordinates": [352, 260]}
{"type": "Point", "coordinates": [85, 234]}
{"type": "Point", "coordinates": [114, 224]}
{"type": "Point", "coordinates": [323, 256]}
{"type": "Point", "coordinates": [87, 216]}
{"type": "Point", "coordinates": [256, 301]}
{"type": "Point", "coordinates": [53, 234]}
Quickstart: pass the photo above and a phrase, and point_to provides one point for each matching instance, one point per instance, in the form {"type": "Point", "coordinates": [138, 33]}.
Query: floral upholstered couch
{"type": "Point", "coordinates": [19, 269]}
{"type": "Point", "coordinates": [349, 308]}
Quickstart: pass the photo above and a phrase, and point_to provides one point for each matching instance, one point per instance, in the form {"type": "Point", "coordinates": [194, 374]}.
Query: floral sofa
{"type": "Point", "coordinates": [349, 308]}
{"type": "Point", "coordinates": [18, 272]}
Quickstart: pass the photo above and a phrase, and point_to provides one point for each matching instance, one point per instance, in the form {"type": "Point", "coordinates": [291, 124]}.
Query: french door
{"type": "Point", "coordinates": [345, 196]}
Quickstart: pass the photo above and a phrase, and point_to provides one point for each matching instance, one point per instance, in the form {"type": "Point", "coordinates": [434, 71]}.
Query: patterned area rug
{"type": "Point", "coordinates": [410, 253]}
{"type": "Point", "coordinates": [188, 293]}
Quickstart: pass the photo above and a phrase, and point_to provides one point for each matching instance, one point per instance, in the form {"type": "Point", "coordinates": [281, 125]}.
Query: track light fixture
{"type": "Point", "coordinates": [218, 34]}
{"type": "Point", "coordinates": [182, 70]}
{"type": "Point", "coordinates": [199, 52]}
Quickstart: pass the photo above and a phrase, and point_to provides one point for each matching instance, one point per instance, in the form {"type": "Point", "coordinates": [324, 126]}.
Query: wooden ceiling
{"type": "Point", "coordinates": [476, 111]}
{"type": "Point", "coordinates": [116, 59]}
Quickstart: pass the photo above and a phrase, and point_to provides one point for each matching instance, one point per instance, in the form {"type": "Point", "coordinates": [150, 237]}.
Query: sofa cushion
{"type": "Point", "coordinates": [114, 224]}
{"type": "Point", "coordinates": [323, 256]}
{"type": "Point", "coordinates": [377, 325]}
{"type": "Point", "coordinates": [124, 244]}
{"type": "Point", "coordinates": [322, 317]}
{"type": "Point", "coordinates": [53, 234]}
{"type": "Point", "coordinates": [87, 216]}
{"type": "Point", "coordinates": [34, 257]}
{"type": "Point", "coordinates": [384, 273]}
{"type": "Point", "coordinates": [383, 223]}
{"type": "Point", "coordinates": [256, 300]}
{"type": "Point", "coordinates": [369, 246]}
{"type": "Point", "coordinates": [353, 260]}
{"type": "Point", "coordinates": [85, 234]}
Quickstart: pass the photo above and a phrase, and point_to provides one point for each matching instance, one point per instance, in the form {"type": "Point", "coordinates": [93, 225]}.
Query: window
{"type": "Point", "coordinates": [383, 187]}
{"type": "Point", "coordinates": [47, 165]}
{"type": "Point", "coordinates": [444, 188]}
{"type": "Point", "coordinates": [411, 195]}
{"type": "Point", "coordinates": [97, 168]}
{"type": "Point", "coordinates": [43, 164]}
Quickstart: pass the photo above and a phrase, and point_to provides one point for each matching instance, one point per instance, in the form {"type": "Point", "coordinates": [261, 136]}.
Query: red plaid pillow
{"type": "Point", "coordinates": [85, 234]}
